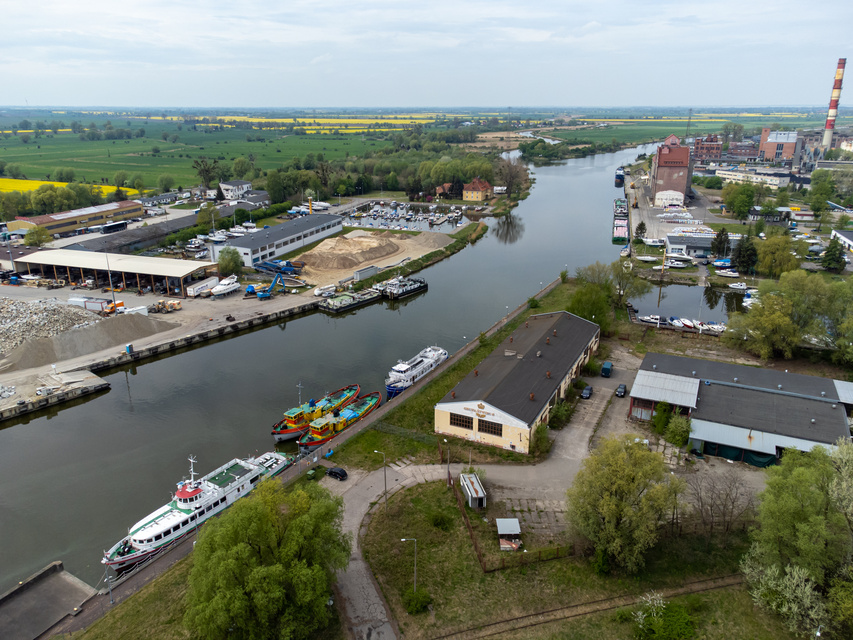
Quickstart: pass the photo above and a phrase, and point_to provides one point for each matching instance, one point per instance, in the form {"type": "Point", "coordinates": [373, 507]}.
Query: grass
{"type": "Point", "coordinates": [448, 569]}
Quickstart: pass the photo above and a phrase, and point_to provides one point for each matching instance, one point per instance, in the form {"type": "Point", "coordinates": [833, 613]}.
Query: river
{"type": "Point", "coordinates": [75, 480]}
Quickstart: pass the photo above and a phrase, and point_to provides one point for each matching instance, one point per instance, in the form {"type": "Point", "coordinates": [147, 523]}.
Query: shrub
{"type": "Point", "coordinates": [532, 303]}
{"type": "Point", "coordinates": [678, 431]}
{"type": "Point", "coordinates": [540, 443]}
{"type": "Point", "coordinates": [659, 620]}
{"type": "Point", "coordinates": [416, 601]}
{"type": "Point", "coordinates": [560, 415]}
{"type": "Point", "coordinates": [592, 368]}
{"type": "Point", "coordinates": [661, 417]}
{"type": "Point", "coordinates": [441, 520]}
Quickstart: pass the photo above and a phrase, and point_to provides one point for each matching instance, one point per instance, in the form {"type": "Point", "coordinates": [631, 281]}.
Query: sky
{"type": "Point", "coordinates": [440, 53]}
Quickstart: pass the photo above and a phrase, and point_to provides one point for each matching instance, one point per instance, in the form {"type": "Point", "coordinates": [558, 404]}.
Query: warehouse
{"type": "Point", "coordinates": [70, 221]}
{"type": "Point", "coordinates": [744, 413]}
{"type": "Point", "coordinates": [283, 238]}
{"type": "Point", "coordinates": [162, 275]}
{"type": "Point", "coordinates": [512, 391]}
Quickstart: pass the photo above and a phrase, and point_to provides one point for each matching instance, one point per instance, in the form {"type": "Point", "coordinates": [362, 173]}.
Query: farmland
{"type": "Point", "coordinates": [9, 184]}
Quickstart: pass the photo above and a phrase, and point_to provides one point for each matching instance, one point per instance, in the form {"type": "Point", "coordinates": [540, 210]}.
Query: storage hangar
{"type": "Point", "coordinates": [162, 275]}
{"type": "Point", "coordinates": [744, 413]}
{"type": "Point", "coordinates": [283, 238]}
{"type": "Point", "coordinates": [70, 221]}
{"type": "Point", "coordinates": [512, 391]}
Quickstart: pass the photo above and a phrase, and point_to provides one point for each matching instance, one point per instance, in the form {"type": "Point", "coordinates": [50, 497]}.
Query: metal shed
{"type": "Point", "coordinates": [509, 533]}
{"type": "Point", "coordinates": [473, 489]}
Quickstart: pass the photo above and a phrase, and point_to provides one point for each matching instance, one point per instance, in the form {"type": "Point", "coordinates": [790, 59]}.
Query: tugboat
{"type": "Point", "coordinates": [404, 374]}
{"type": "Point", "coordinates": [193, 503]}
{"type": "Point", "coordinates": [297, 420]}
{"type": "Point", "coordinates": [324, 429]}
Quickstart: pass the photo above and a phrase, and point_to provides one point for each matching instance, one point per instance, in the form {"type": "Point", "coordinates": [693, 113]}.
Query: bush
{"type": "Point", "coordinates": [560, 415]}
{"type": "Point", "coordinates": [678, 431]}
{"type": "Point", "coordinates": [532, 303]}
{"type": "Point", "coordinates": [416, 601]}
{"type": "Point", "coordinates": [441, 520]}
{"type": "Point", "coordinates": [540, 443]}
{"type": "Point", "coordinates": [661, 417]}
{"type": "Point", "coordinates": [657, 619]}
{"type": "Point", "coordinates": [592, 368]}
{"type": "Point", "coordinates": [601, 563]}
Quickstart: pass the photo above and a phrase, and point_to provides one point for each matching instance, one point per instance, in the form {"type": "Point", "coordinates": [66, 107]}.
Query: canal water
{"type": "Point", "coordinates": [74, 481]}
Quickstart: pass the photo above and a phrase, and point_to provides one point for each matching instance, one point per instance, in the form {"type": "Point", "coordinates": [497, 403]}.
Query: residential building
{"type": "Point", "coordinates": [510, 394]}
{"type": "Point", "coordinates": [778, 146]}
{"type": "Point", "coordinates": [745, 151]}
{"type": "Point", "coordinates": [707, 148]}
{"type": "Point", "coordinates": [266, 244]}
{"type": "Point", "coordinates": [771, 179]}
{"type": "Point", "coordinates": [671, 171]}
{"type": "Point", "coordinates": [750, 414]}
{"type": "Point", "coordinates": [693, 243]}
{"type": "Point", "coordinates": [70, 221]}
{"type": "Point", "coordinates": [234, 189]}
{"type": "Point", "coordinates": [478, 191]}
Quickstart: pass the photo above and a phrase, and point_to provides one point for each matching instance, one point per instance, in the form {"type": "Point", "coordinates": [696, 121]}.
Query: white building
{"type": "Point", "coordinates": [776, 181]}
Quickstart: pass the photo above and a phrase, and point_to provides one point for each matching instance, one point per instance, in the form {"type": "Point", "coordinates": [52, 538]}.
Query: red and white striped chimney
{"type": "Point", "coordinates": [833, 104]}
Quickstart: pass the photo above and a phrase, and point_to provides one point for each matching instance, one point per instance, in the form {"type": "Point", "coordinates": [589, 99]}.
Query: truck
{"type": "Point", "coordinates": [196, 288]}
{"type": "Point", "coordinates": [606, 369]}
{"type": "Point", "coordinates": [98, 305]}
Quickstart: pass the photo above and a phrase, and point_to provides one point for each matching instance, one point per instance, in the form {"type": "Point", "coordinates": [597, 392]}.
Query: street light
{"type": "Point", "coordinates": [415, 540]}
{"type": "Point", "coordinates": [448, 461]}
{"type": "Point", "coordinates": [110, 276]}
{"type": "Point", "coordinates": [385, 475]}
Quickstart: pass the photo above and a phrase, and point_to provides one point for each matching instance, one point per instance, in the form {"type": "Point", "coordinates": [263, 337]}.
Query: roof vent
{"type": "Point", "coordinates": [476, 372]}
{"type": "Point", "coordinates": [654, 367]}
{"type": "Point", "coordinates": [833, 406]}
{"type": "Point", "coordinates": [555, 332]}
{"type": "Point", "coordinates": [707, 383]}
{"type": "Point", "coordinates": [779, 386]}
{"type": "Point", "coordinates": [538, 354]}
{"type": "Point", "coordinates": [812, 420]}
{"type": "Point", "coordinates": [547, 340]}
{"type": "Point", "coordinates": [823, 394]}
{"type": "Point", "coordinates": [548, 374]}
{"type": "Point", "coordinates": [526, 325]}
{"type": "Point", "coordinates": [533, 396]}
{"type": "Point", "coordinates": [735, 379]}
{"type": "Point", "coordinates": [694, 374]}
{"type": "Point", "coordinates": [510, 339]}
{"type": "Point", "coordinates": [452, 394]}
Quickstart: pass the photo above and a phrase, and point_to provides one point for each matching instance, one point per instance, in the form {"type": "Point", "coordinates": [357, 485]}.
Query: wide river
{"type": "Point", "coordinates": [74, 481]}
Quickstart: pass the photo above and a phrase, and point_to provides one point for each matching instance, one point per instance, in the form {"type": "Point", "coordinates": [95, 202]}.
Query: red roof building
{"type": "Point", "coordinates": [478, 191]}
{"type": "Point", "coordinates": [671, 171]}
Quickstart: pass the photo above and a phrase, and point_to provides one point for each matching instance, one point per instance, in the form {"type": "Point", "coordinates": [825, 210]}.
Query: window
{"type": "Point", "coordinates": [466, 422]}
{"type": "Point", "coordinates": [492, 428]}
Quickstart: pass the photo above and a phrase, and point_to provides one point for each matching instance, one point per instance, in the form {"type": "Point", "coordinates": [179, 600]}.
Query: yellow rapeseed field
{"type": "Point", "coordinates": [11, 184]}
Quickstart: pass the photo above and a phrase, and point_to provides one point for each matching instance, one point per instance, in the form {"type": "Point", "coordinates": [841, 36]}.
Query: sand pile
{"type": "Point", "coordinates": [349, 253]}
{"type": "Point", "coordinates": [110, 332]}
{"type": "Point", "coordinates": [433, 240]}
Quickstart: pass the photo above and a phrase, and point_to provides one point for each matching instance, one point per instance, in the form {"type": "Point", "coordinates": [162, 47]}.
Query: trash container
{"type": "Point", "coordinates": [310, 475]}
{"type": "Point", "coordinates": [128, 348]}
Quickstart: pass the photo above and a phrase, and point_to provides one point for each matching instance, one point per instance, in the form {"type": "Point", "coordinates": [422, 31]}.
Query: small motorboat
{"type": "Point", "coordinates": [687, 323]}
{"type": "Point", "coordinates": [676, 322]}
{"type": "Point", "coordinates": [740, 286]}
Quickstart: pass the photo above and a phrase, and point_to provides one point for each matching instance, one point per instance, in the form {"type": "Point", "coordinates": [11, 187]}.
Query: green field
{"type": "Point", "coordinates": [94, 160]}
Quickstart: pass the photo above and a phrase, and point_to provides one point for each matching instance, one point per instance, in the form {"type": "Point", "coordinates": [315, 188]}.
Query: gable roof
{"type": "Point", "coordinates": [477, 184]}
{"type": "Point", "coordinates": [519, 365]}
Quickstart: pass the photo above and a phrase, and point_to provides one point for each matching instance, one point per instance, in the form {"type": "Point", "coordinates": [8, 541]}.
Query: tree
{"type": "Point", "coordinates": [241, 167]}
{"type": "Point", "coordinates": [165, 182]}
{"type": "Point", "coordinates": [833, 257]}
{"type": "Point", "coordinates": [207, 216]}
{"type": "Point", "coordinates": [640, 230]}
{"type": "Point", "coordinates": [230, 262]}
{"type": "Point", "coordinates": [783, 198]}
{"type": "Point", "coordinates": [37, 237]}
{"type": "Point", "coordinates": [767, 330]}
{"type": "Point", "coordinates": [206, 170]}
{"type": "Point", "coordinates": [264, 568]}
{"type": "Point", "coordinates": [720, 245]}
{"type": "Point", "coordinates": [626, 284]}
{"type": "Point", "coordinates": [512, 173]}
{"type": "Point", "coordinates": [719, 501]}
{"type": "Point", "coordinates": [619, 499]}
{"type": "Point", "coordinates": [842, 222]}
{"type": "Point", "coordinates": [120, 178]}
{"type": "Point", "coordinates": [745, 255]}
{"type": "Point", "coordinates": [776, 255]}
{"type": "Point", "coordinates": [592, 302]}
{"type": "Point", "coordinates": [678, 430]}
{"type": "Point", "coordinates": [220, 196]}
{"type": "Point", "coordinates": [598, 273]}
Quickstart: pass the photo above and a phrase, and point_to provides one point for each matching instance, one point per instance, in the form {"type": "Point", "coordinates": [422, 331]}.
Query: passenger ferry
{"type": "Point", "coordinates": [404, 374]}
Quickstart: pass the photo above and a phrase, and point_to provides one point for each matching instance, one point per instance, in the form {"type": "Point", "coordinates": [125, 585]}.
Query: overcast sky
{"type": "Point", "coordinates": [439, 53]}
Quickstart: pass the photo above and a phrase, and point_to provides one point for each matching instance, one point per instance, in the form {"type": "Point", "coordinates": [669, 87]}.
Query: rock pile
{"type": "Point", "coordinates": [20, 320]}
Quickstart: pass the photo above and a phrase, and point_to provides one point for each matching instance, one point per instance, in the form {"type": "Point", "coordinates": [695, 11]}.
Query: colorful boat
{"type": "Point", "coordinates": [324, 429]}
{"type": "Point", "coordinates": [193, 503]}
{"type": "Point", "coordinates": [297, 420]}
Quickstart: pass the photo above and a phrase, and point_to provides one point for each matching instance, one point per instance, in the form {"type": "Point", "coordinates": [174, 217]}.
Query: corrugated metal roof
{"type": "Point", "coordinates": [508, 526]}
{"type": "Point", "coordinates": [665, 387]}
{"type": "Point", "coordinates": [750, 439]}
{"type": "Point", "coordinates": [118, 262]}
{"type": "Point", "coordinates": [844, 390]}
{"type": "Point", "coordinates": [471, 484]}
{"type": "Point", "coordinates": [284, 230]}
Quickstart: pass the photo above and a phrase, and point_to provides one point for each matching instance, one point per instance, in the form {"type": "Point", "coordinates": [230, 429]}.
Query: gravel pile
{"type": "Point", "coordinates": [20, 320]}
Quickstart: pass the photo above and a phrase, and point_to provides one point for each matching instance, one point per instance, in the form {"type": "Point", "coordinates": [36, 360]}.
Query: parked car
{"type": "Point", "coordinates": [337, 473]}
{"type": "Point", "coordinates": [621, 390]}
{"type": "Point", "coordinates": [586, 394]}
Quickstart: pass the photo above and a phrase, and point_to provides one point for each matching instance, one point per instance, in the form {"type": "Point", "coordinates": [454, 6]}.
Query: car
{"type": "Point", "coordinates": [586, 394]}
{"type": "Point", "coordinates": [621, 390]}
{"type": "Point", "coordinates": [337, 473]}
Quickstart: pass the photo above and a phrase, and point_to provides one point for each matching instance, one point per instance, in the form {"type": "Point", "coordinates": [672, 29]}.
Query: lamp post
{"type": "Point", "coordinates": [339, 199]}
{"type": "Point", "coordinates": [385, 476]}
{"type": "Point", "coordinates": [110, 276]}
{"type": "Point", "coordinates": [110, 586]}
{"type": "Point", "coordinates": [415, 540]}
{"type": "Point", "coordinates": [448, 460]}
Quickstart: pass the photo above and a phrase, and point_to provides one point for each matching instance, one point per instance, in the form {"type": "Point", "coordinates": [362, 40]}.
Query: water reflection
{"type": "Point", "coordinates": [508, 229]}
{"type": "Point", "coordinates": [708, 303]}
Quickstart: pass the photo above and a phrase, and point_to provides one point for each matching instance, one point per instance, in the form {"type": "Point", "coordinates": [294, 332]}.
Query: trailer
{"type": "Point", "coordinates": [98, 305]}
{"type": "Point", "coordinates": [197, 288]}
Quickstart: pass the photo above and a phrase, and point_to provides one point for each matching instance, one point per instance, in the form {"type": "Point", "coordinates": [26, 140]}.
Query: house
{"type": "Point", "coordinates": [510, 394]}
{"type": "Point", "coordinates": [750, 414]}
{"type": "Point", "coordinates": [671, 171]}
{"type": "Point", "coordinates": [234, 189]}
{"type": "Point", "coordinates": [443, 190]}
{"type": "Point", "coordinates": [775, 180]}
{"type": "Point", "coordinates": [477, 191]}
{"type": "Point", "coordinates": [694, 243]}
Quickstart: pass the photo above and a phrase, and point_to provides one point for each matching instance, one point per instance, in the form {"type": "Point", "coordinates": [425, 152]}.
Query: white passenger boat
{"type": "Point", "coordinates": [192, 504]}
{"type": "Point", "coordinates": [405, 373]}
{"type": "Point", "coordinates": [226, 286]}
{"type": "Point", "coordinates": [741, 286]}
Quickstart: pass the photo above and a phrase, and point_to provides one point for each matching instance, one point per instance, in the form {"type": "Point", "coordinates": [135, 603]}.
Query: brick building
{"type": "Point", "coordinates": [778, 146]}
{"type": "Point", "coordinates": [707, 148]}
{"type": "Point", "coordinates": [672, 170]}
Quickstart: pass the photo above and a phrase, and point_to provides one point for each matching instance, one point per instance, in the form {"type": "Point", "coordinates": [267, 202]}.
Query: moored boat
{"type": "Point", "coordinates": [676, 322]}
{"type": "Point", "coordinates": [728, 273]}
{"type": "Point", "coordinates": [405, 373]}
{"type": "Point", "coordinates": [192, 504]}
{"type": "Point", "coordinates": [325, 291]}
{"type": "Point", "coordinates": [403, 287]}
{"type": "Point", "coordinates": [322, 430]}
{"type": "Point", "coordinates": [346, 301]}
{"type": "Point", "coordinates": [742, 286]}
{"type": "Point", "coordinates": [296, 421]}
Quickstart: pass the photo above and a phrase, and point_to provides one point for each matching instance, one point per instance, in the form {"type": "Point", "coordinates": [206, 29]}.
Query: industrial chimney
{"type": "Point", "coordinates": [833, 104]}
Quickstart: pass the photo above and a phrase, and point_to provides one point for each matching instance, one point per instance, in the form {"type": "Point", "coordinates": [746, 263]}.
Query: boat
{"type": "Point", "coordinates": [296, 421]}
{"type": "Point", "coordinates": [654, 242]}
{"type": "Point", "coordinates": [723, 262]}
{"type": "Point", "coordinates": [322, 430]}
{"type": "Point", "coordinates": [687, 323]}
{"type": "Point", "coordinates": [738, 285]}
{"type": "Point", "coordinates": [193, 503]}
{"type": "Point", "coordinates": [675, 264]}
{"type": "Point", "coordinates": [405, 373]}
{"type": "Point", "coordinates": [652, 319]}
{"type": "Point", "coordinates": [676, 322]}
{"type": "Point", "coordinates": [728, 273]}
{"type": "Point", "coordinates": [226, 286]}
{"type": "Point", "coordinates": [620, 207]}
{"type": "Point", "coordinates": [326, 291]}
{"type": "Point", "coordinates": [678, 255]}
{"type": "Point", "coordinates": [402, 287]}
{"type": "Point", "coordinates": [347, 301]}
{"type": "Point", "coordinates": [620, 231]}
{"type": "Point", "coordinates": [647, 258]}
{"type": "Point", "coordinates": [625, 252]}
{"type": "Point", "coordinates": [218, 238]}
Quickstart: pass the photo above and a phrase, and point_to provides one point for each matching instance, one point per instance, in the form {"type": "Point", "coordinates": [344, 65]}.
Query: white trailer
{"type": "Point", "coordinates": [91, 304]}
{"type": "Point", "coordinates": [196, 288]}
